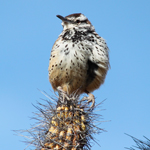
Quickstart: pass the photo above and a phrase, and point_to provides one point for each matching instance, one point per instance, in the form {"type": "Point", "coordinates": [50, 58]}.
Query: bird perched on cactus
{"type": "Point", "coordinates": [79, 58]}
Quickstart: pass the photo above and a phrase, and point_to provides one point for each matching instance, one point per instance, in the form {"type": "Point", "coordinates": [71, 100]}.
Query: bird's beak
{"type": "Point", "coordinates": [64, 19]}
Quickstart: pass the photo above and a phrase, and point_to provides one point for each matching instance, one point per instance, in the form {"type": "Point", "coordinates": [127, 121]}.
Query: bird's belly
{"type": "Point", "coordinates": [69, 81]}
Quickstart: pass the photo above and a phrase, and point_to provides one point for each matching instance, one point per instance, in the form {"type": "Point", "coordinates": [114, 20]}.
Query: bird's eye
{"type": "Point", "coordinates": [78, 21]}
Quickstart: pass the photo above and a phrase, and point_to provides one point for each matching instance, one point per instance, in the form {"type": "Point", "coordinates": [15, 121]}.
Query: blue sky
{"type": "Point", "coordinates": [28, 29]}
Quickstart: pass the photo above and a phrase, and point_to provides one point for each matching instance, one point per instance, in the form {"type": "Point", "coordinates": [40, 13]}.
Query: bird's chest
{"type": "Point", "coordinates": [69, 55]}
{"type": "Point", "coordinates": [68, 64]}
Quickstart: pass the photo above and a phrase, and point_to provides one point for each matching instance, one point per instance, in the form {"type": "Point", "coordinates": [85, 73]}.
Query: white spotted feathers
{"type": "Point", "coordinates": [79, 58]}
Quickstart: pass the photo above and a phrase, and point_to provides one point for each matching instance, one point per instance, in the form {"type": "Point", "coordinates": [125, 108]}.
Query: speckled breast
{"type": "Point", "coordinates": [68, 66]}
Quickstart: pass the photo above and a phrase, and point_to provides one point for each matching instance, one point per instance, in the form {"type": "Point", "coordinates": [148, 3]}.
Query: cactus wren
{"type": "Point", "coordinates": [79, 58]}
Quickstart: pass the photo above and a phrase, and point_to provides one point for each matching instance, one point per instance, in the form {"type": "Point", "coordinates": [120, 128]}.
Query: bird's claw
{"type": "Point", "coordinates": [90, 99]}
{"type": "Point", "coordinates": [62, 92]}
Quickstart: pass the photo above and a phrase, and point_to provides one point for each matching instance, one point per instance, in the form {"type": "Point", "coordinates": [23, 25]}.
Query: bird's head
{"type": "Point", "coordinates": [77, 21]}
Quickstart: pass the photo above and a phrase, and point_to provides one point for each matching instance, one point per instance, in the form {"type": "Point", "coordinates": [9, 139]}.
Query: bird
{"type": "Point", "coordinates": [79, 58]}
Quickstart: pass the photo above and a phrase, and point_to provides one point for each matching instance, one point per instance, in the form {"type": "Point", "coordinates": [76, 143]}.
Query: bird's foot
{"type": "Point", "coordinates": [60, 90]}
{"type": "Point", "coordinates": [62, 93]}
{"type": "Point", "coordinates": [90, 99]}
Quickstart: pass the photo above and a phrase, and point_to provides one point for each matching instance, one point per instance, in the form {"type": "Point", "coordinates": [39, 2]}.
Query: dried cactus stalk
{"type": "Point", "coordinates": [68, 125]}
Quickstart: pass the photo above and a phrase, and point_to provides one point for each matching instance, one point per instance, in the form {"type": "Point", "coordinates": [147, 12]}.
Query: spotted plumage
{"type": "Point", "coordinates": [79, 58]}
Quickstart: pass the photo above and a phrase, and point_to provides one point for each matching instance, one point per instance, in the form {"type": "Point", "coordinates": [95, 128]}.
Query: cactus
{"type": "Point", "coordinates": [68, 123]}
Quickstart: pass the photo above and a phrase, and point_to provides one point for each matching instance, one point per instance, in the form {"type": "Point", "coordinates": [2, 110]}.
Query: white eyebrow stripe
{"type": "Point", "coordinates": [81, 18]}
